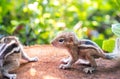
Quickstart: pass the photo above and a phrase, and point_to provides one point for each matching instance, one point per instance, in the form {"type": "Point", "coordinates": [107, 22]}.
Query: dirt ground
{"type": "Point", "coordinates": [49, 61]}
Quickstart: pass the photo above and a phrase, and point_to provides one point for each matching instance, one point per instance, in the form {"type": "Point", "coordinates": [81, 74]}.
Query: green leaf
{"type": "Point", "coordinates": [108, 45]}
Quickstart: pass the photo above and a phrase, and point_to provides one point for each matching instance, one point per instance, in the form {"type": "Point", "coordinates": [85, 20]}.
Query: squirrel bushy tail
{"type": "Point", "coordinates": [115, 55]}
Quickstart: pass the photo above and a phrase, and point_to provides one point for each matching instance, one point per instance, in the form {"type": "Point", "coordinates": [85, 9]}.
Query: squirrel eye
{"type": "Point", "coordinates": [61, 40]}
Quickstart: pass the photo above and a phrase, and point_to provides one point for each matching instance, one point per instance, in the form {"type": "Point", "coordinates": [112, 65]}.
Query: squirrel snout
{"type": "Point", "coordinates": [52, 42]}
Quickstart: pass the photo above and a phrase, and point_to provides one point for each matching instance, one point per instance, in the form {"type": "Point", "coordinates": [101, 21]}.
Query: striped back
{"type": "Point", "coordinates": [8, 48]}
{"type": "Point", "coordinates": [8, 45]}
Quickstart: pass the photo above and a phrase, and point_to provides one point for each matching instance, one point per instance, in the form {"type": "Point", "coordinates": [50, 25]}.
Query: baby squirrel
{"type": "Point", "coordinates": [11, 51]}
{"type": "Point", "coordinates": [79, 49]}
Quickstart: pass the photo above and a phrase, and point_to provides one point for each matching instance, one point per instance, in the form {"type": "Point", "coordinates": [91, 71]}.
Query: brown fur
{"type": "Point", "coordinates": [12, 61]}
{"type": "Point", "coordinates": [77, 50]}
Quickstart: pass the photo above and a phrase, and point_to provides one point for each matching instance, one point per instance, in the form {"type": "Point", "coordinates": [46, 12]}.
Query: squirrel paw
{"type": "Point", "coordinates": [12, 76]}
{"type": "Point", "coordinates": [89, 70]}
{"type": "Point", "coordinates": [64, 66]}
{"type": "Point", "coordinates": [34, 59]}
{"type": "Point", "coordinates": [64, 60]}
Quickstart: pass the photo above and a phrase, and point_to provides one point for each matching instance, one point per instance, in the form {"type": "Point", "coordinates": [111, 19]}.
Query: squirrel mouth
{"type": "Point", "coordinates": [55, 45]}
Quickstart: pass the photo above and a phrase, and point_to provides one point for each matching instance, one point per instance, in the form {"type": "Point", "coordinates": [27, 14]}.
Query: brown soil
{"type": "Point", "coordinates": [49, 61]}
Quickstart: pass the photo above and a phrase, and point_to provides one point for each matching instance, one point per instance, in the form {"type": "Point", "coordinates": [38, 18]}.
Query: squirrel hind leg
{"type": "Point", "coordinates": [10, 66]}
{"type": "Point", "coordinates": [82, 61]}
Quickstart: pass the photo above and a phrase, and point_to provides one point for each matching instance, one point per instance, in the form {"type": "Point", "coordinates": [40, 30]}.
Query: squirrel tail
{"type": "Point", "coordinates": [115, 55]}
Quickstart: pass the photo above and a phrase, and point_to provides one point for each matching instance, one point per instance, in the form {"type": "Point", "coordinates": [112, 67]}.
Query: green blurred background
{"type": "Point", "coordinates": [38, 21]}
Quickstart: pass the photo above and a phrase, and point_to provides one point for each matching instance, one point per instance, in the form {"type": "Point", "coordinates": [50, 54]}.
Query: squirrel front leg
{"type": "Point", "coordinates": [65, 60]}
{"type": "Point", "coordinates": [67, 63]}
{"type": "Point", "coordinates": [26, 57]}
{"type": "Point", "coordinates": [70, 61]}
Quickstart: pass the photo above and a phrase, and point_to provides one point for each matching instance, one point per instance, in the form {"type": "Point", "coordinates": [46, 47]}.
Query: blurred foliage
{"type": "Point", "coordinates": [38, 21]}
{"type": "Point", "coordinates": [108, 45]}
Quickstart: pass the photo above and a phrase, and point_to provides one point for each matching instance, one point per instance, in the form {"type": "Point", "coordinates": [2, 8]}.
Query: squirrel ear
{"type": "Point", "coordinates": [71, 39]}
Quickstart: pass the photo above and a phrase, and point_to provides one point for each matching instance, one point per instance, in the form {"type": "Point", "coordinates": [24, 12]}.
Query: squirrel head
{"type": "Point", "coordinates": [65, 40]}
{"type": "Point", "coordinates": [8, 39]}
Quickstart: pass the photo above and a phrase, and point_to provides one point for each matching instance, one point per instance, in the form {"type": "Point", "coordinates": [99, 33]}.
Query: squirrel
{"type": "Point", "coordinates": [11, 51]}
{"type": "Point", "coordinates": [81, 49]}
